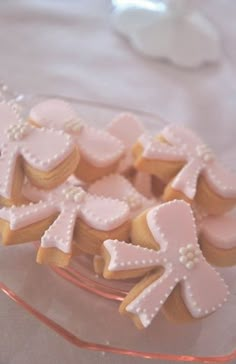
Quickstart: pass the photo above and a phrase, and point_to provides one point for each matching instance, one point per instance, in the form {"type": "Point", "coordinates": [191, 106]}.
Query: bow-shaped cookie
{"type": "Point", "coordinates": [191, 169]}
{"type": "Point", "coordinates": [184, 271]}
{"type": "Point", "coordinates": [100, 151]}
{"type": "Point", "coordinates": [62, 216]}
{"type": "Point", "coordinates": [118, 187]}
{"type": "Point", "coordinates": [47, 157]}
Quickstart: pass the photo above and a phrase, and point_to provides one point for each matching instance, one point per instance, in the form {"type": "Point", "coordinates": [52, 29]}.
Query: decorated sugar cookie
{"type": "Point", "coordinates": [189, 167]}
{"type": "Point", "coordinates": [118, 187]}
{"type": "Point", "coordinates": [127, 128]}
{"type": "Point", "coordinates": [47, 157]}
{"type": "Point", "coordinates": [177, 276]}
{"type": "Point", "coordinates": [218, 239]}
{"type": "Point", "coordinates": [100, 152]}
{"type": "Point", "coordinates": [61, 217]}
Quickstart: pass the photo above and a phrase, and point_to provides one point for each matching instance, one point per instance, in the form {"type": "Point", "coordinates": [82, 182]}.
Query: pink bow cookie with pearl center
{"type": "Point", "coordinates": [197, 159]}
{"type": "Point", "coordinates": [173, 228]}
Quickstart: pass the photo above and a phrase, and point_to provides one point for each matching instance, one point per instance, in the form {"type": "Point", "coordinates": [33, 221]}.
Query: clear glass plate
{"type": "Point", "coordinates": [83, 308]}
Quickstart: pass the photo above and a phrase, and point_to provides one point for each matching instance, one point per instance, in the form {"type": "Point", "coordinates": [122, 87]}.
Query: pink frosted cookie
{"type": "Point", "coordinates": [62, 216]}
{"type": "Point", "coordinates": [177, 277]}
{"type": "Point", "coordinates": [100, 152]}
{"type": "Point", "coordinates": [189, 167]}
{"type": "Point", "coordinates": [127, 128]}
{"type": "Point", "coordinates": [218, 239]}
{"type": "Point", "coordinates": [47, 157]}
{"type": "Point", "coordinates": [118, 187]}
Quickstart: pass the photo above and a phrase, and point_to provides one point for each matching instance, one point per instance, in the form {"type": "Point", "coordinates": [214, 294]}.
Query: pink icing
{"type": "Point", "coordinates": [179, 135]}
{"type": "Point", "coordinates": [186, 180]}
{"type": "Point", "coordinates": [184, 145]}
{"type": "Point", "coordinates": [127, 128]}
{"type": "Point", "coordinates": [220, 231]}
{"type": "Point", "coordinates": [154, 149]}
{"type": "Point", "coordinates": [70, 202]}
{"type": "Point", "coordinates": [53, 113]}
{"type": "Point", "coordinates": [118, 187]}
{"type": "Point", "coordinates": [172, 226]}
{"type": "Point", "coordinates": [8, 116]}
{"type": "Point", "coordinates": [22, 139]}
{"type": "Point", "coordinates": [97, 146]}
{"type": "Point", "coordinates": [56, 147]}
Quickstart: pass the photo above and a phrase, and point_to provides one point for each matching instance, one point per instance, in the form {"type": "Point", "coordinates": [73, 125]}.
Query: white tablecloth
{"type": "Point", "coordinates": [68, 47]}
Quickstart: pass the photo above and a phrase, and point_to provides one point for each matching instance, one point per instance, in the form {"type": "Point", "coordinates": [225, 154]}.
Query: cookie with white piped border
{"type": "Point", "coordinates": [189, 167]}
{"type": "Point", "coordinates": [100, 152]}
{"type": "Point", "coordinates": [45, 156]}
{"type": "Point", "coordinates": [176, 277]}
{"type": "Point", "coordinates": [62, 218]}
{"type": "Point", "coordinates": [118, 187]}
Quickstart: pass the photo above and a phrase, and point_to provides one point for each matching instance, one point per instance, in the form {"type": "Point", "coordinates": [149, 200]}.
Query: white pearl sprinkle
{"type": "Point", "coordinates": [188, 256]}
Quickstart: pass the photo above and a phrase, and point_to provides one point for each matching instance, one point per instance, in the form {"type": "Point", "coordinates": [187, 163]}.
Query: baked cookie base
{"type": "Point", "coordinates": [26, 234]}
{"type": "Point", "coordinates": [165, 170]}
{"type": "Point", "coordinates": [53, 256]}
{"type": "Point", "coordinates": [217, 256]}
{"type": "Point", "coordinates": [210, 201]}
{"type": "Point", "coordinates": [53, 178]}
{"type": "Point", "coordinates": [175, 309]}
{"type": "Point", "coordinates": [171, 194]}
{"type": "Point", "coordinates": [140, 233]}
{"type": "Point", "coordinates": [145, 282]}
{"type": "Point", "coordinates": [90, 240]}
{"type": "Point", "coordinates": [98, 264]}
{"type": "Point", "coordinates": [88, 173]}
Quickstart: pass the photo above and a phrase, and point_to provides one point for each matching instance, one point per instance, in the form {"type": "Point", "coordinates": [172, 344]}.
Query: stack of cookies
{"type": "Point", "coordinates": [151, 207]}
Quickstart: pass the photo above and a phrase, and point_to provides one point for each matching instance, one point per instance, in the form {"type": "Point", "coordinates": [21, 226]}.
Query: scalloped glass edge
{"type": "Point", "coordinates": [77, 279]}
{"type": "Point", "coordinates": [77, 341]}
